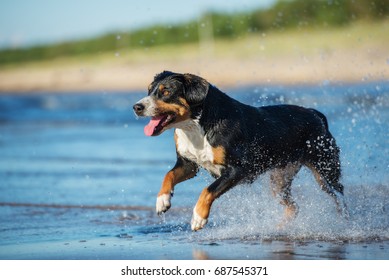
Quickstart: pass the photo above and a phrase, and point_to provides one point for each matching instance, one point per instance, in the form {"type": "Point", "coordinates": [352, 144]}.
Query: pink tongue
{"type": "Point", "coordinates": [150, 127]}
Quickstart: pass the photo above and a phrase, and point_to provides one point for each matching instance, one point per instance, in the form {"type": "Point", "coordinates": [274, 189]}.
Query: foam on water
{"type": "Point", "coordinates": [252, 213]}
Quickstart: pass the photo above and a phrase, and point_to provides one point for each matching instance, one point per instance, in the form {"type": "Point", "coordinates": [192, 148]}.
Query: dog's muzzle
{"type": "Point", "coordinates": [139, 109]}
{"type": "Point", "coordinates": [145, 107]}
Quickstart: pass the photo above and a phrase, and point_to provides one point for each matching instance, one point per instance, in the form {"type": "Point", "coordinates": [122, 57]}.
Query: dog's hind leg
{"type": "Point", "coordinates": [281, 181]}
{"type": "Point", "coordinates": [333, 188]}
{"type": "Point", "coordinates": [325, 166]}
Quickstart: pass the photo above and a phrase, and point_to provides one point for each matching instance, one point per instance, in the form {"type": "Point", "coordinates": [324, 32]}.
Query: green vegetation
{"type": "Point", "coordinates": [283, 15]}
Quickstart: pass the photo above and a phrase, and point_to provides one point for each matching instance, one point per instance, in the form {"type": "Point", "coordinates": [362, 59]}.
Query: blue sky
{"type": "Point", "coordinates": [29, 22]}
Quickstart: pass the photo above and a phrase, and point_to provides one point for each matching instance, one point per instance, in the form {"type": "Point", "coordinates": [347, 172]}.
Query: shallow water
{"type": "Point", "coordinates": [78, 180]}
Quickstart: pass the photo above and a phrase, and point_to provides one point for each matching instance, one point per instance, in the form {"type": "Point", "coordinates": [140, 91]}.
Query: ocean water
{"type": "Point", "coordinates": [78, 180]}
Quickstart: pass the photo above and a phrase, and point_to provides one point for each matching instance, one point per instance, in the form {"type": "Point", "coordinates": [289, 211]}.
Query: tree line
{"type": "Point", "coordinates": [283, 15]}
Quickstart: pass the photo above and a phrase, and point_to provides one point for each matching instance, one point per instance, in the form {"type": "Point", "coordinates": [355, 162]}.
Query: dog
{"type": "Point", "coordinates": [236, 143]}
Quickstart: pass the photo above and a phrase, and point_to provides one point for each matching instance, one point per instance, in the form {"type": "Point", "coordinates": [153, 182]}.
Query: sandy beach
{"type": "Point", "coordinates": [352, 54]}
{"type": "Point", "coordinates": [225, 72]}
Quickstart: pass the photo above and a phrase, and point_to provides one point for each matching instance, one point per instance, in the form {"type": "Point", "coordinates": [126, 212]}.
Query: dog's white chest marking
{"type": "Point", "coordinates": [193, 145]}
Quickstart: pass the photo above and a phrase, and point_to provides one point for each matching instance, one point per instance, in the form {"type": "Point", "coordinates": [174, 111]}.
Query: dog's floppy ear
{"type": "Point", "coordinates": [196, 89]}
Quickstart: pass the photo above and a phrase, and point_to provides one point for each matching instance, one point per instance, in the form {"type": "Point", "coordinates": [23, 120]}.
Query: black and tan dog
{"type": "Point", "coordinates": [236, 142]}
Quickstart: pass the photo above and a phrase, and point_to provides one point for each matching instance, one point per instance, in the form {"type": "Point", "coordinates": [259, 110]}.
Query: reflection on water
{"type": "Point", "coordinates": [78, 167]}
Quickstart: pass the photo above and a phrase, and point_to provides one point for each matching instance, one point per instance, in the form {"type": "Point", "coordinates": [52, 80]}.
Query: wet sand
{"type": "Point", "coordinates": [140, 235]}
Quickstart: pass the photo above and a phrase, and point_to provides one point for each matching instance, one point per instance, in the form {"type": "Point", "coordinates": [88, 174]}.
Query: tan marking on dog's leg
{"type": "Point", "coordinates": [281, 182]}
{"type": "Point", "coordinates": [202, 209]}
{"type": "Point", "coordinates": [172, 178]}
{"type": "Point", "coordinates": [291, 211]}
{"type": "Point", "coordinates": [276, 182]}
{"type": "Point", "coordinates": [281, 178]}
{"type": "Point", "coordinates": [168, 183]}
{"type": "Point", "coordinates": [219, 155]}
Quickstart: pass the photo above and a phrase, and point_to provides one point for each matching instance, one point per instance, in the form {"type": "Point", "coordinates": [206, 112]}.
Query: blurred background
{"type": "Point", "coordinates": [121, 45]}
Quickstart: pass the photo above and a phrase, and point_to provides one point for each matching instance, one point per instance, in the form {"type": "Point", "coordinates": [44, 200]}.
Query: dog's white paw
{"type": "Point", "coordinates": [197, 221]}
{"type": "Point", "coordinates": [163, 203]}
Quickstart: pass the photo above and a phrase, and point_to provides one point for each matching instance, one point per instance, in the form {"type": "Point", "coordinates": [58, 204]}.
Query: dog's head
{"type": "Point", "coordinates": [172, 98]}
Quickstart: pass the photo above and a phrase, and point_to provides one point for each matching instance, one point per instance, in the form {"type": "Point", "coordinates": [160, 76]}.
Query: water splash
{"type": "Point", "coordinates": [252, 213]}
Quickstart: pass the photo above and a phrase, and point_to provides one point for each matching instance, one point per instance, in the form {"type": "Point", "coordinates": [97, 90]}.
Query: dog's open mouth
{"type": "Point", "coordinates": [157, 124]}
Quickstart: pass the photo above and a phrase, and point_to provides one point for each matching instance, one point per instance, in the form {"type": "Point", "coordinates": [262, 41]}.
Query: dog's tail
{"type": "Point", "coordinates": [321, 116]}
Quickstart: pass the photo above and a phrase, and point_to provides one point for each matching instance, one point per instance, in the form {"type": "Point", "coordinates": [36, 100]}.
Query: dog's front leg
{"type": "Point", "coordinates": [230, 177]}
{"type": "Point", "coordinates": [183, 170]}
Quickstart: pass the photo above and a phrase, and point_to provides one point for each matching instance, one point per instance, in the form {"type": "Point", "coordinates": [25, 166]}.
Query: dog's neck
{"type": "Point", "coordinates": [193, 130]}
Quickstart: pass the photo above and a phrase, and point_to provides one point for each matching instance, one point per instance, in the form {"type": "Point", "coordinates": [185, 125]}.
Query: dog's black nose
{"type": "Point", "coordinates": [138, 108]}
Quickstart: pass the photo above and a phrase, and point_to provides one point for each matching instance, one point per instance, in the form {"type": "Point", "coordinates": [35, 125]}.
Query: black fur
{"type": "Point", "coordinates": [259, 139]}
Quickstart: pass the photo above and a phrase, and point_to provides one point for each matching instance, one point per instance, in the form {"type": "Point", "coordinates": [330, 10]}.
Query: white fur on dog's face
{"type": "Point", "coordinates": [149, 103]}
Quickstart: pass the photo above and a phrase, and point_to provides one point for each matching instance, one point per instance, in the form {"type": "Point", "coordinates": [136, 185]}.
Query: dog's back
{"type": "Point", "coordinates": [265, 137]}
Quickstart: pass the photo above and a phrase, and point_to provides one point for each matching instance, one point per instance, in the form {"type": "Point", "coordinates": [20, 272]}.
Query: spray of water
{"type": "Point", "coordinates": [250, 212]}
